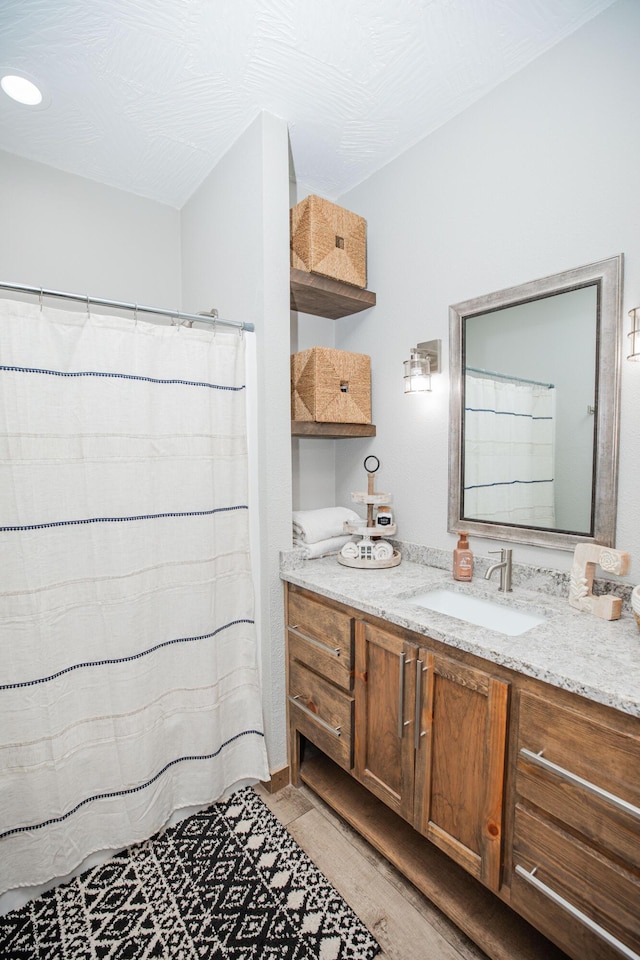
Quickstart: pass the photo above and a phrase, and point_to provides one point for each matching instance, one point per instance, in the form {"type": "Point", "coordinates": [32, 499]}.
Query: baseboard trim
{"type": "Point", "coordinates": [279, 779]}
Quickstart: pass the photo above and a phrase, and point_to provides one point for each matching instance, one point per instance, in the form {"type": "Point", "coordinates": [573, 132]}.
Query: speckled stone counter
{"type": "Point", "coordinates": [573, 650]}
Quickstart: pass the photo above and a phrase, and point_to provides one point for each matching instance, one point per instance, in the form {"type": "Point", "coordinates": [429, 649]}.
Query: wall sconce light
{"type": "Point", "coordinates": [634, 335]}
{"type": "Point", "coordinates": [425, 360]}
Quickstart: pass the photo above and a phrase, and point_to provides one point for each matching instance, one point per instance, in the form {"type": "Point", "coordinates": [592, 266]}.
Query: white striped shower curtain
{"type": "Point", "coordinates": [128, 667]}
{"type": "Point", "coordinates": [509, 452]}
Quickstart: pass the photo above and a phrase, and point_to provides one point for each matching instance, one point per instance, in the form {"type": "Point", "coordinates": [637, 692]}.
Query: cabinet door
{"type": "Point", "coordinates": [460, 763]}
{"type": "Point", "coordinates": [384, 692]}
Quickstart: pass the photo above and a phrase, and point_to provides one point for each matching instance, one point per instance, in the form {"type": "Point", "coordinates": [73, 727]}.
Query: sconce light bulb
{"type": "Point", "coordinates": [417, 373]}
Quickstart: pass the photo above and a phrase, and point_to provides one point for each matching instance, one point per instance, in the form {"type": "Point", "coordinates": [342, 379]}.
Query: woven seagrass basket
{"type": "Point", "coordinates": [329, 240]}
{"type": "Point", "coordinates": [331, 386]}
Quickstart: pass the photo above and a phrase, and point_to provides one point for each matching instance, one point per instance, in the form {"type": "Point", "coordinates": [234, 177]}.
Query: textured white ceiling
{"type": "Point", "coordinates": [147, 95]}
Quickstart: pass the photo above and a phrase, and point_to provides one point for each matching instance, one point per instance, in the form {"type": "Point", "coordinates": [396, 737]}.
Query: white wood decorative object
{"type": "Point", "coordinates": [371, 552]}
{"type": "Point", "coordinates": [635, 604]}
{"type": "Point", "coordinates": [585, 558]}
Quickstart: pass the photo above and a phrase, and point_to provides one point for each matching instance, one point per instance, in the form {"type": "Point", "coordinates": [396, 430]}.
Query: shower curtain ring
{"type": "Point", "coordinates": [40, 298]}
{"type": "Point", "coordinates": [135, 316]}
{"type": "Point", "coordinates": [88, 308]}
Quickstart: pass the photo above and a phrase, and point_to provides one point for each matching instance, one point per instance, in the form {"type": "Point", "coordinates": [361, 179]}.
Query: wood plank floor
{"type": "Point", "coordinates": [405, 924]}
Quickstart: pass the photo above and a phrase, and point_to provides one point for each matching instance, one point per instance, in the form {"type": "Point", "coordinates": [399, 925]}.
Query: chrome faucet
{"type": "Point", "coordinates": [504, 566]}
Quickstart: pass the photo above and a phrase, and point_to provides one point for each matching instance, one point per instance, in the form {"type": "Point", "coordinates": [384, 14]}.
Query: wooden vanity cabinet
{"type": "Point", "coordinates": [529, 789]}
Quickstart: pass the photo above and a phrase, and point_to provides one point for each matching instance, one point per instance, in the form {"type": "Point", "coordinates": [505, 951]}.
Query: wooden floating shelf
{"type": "Point", "coordinates": [331, 431]}
{"type": "Point", "coordinates": [325, 297]}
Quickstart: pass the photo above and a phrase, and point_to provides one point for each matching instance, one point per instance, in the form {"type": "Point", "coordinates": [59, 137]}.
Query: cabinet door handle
{"type": "Point", "coordinates": [402, 723]}
{"type": "Point", "coordinates": [336, 731]}
{"type": "Point", "coordinates": [334, 651]}
{"type": "Point", "coordinates": [610, 798]}
{"type": "Point", "coordinates": [586, 921]}
{"type": "Point", "coordinates": [417, 733]}
{"type": "Point", "coordinates": [403, 658]}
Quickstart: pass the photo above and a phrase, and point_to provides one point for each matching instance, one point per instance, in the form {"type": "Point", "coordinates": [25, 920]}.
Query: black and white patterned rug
{"type": "Point", "coordinates": [229, 883]}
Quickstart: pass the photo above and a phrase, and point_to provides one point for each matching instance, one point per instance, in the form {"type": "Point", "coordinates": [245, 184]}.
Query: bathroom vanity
{"type": "Point", "coordinates": [499, 773]}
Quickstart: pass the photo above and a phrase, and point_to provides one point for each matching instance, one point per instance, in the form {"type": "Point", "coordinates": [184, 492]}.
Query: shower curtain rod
{"type": "Point", "coordinates": [120, 305]}
{"type": "Point", "coordinates": [505, 376]}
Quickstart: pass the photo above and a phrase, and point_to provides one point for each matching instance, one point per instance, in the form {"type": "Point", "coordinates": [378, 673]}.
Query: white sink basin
{"type": "Point", "coordinates": [483, 613]}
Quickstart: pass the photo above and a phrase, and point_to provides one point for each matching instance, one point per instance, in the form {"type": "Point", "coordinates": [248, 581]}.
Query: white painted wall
{"type": "Point", "coordinates": [71, 234]}
{"type": "Point", "coordinates": [538, 177]}
{"type": "Point", "coordinates": [235, 244]}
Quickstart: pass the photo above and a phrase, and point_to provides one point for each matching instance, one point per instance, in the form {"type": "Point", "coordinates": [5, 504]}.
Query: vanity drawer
{"type": "Point", "coordinates": [579, 898]}
{"type": "Point", "coordinates": [321, 637]}
{"type": "Point", "coordinates": [333, 663]}
{"type": "Point", "coordinates": [583, 772]}
{"type": "Point", "coordinates": [322, 713]}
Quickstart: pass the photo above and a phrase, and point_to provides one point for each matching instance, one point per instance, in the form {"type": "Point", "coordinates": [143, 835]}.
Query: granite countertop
{"type": "Point", "coordinates": [573, 650]}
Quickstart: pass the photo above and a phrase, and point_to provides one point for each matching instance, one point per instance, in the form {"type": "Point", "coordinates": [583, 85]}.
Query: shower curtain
{"type": "Point", "coordinates": [509, 451]}
{"type": "Point", "coordinates": [128, 670]}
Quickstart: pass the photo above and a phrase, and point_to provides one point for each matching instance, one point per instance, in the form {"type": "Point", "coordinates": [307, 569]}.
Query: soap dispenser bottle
{"type": "Point", "coordinates": [462, 559]}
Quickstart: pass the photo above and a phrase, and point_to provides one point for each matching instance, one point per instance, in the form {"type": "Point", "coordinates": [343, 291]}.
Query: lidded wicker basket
{"type": "Point", "coordinates": [331, 386]}
{"type": "Point", "coordinates": [329, 240]}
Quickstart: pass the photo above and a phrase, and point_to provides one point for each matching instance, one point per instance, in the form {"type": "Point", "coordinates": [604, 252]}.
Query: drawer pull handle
{"type": "Point", "coordinates": [336, 731]}
{"type": "Point", "coordinates": [334, 651]}
{"type": "Point", "coordinates": [611, 798]}
{"type": "Point", "coordinates": [586, 921]}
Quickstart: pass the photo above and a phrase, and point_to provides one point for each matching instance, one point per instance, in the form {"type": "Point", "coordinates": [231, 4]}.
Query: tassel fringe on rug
{"type": "Point", "coordinates": [226, 884]}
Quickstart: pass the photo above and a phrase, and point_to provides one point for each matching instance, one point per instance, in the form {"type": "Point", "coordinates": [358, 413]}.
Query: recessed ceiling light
{"type": "Point", "coordinates": [21, 89]}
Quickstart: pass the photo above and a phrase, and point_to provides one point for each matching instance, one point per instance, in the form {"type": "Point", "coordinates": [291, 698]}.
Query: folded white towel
{"type": "Point", "coordinates": [311, 526]}
{"type": "Point", "coordinates": [321, 548]}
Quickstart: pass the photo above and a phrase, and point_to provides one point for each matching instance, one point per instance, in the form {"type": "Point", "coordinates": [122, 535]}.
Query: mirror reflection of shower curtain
{"type": "Point", "coordinates": [129, 684]}
{"type": "Point", "coordinates": [509, 451]}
